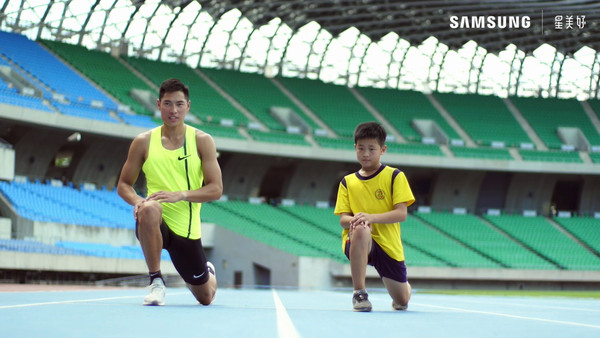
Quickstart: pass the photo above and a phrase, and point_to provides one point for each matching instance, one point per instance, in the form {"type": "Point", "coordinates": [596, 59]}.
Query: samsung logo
{"type": "Point", "coordinates": [483, 21]}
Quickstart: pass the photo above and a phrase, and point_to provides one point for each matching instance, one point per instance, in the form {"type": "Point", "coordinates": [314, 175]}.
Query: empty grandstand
{"type": "Point", "coordinates": [506, 183]}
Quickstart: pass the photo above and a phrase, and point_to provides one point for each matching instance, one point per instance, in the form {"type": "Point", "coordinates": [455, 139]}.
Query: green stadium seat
{"type": "Point", "coordinates": [485, 153]}
{"type": "Point", "coordinates": [346, 143]}
{"type": "Point", "coordinates": [585, 229]}
{"type": "Point", "coordinates": [258, 94]}
{"type": "Point", "coordinates": [539, 234]}
{"type": "Point", "coordinates": [548, 114]}
{"type": "Point", "coordinates": [323, 218]}
{"type": "Point", "coordinates": [550, 156]}
{"type": "Point", "coordinates": [206, 103]}
{"type": "Point", "coordinates": [218, 130]}
{"type": "Point", "coordinates": [101, 68]}
{"type": "Point", "coordinates": [333, 104]}
{"type": "Point", "coordinates": [267, 220]}
{"type": "Point", "coordinates": [475, 233]}
{"type": "Point", "coordinates": [278, 137]}
{"type": "Point", "coordinates": [485, 118]}
{"type": "Point", "coordinates": [400, 107]}
{"type": "Point", "coordinates": [414, 149]}
{"type": "Point", "coordinates": [443, 248]}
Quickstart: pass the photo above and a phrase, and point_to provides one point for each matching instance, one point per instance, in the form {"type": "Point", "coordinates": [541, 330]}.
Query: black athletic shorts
{"type": "Point", "coordinates": [186, 254]}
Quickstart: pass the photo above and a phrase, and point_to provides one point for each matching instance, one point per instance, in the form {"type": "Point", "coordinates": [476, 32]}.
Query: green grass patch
{"type": "Point", "coordinates": [516, 293]}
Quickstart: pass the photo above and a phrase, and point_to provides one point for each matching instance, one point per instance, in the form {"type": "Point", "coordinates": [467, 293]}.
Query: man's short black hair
{"type": "Point", "coordinates": [171, 86]}
{"type": "Point", "coordinates": [370, 130]}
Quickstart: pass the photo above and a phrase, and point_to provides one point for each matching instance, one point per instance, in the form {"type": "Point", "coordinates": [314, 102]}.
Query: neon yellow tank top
{"type": "Point", "coordinates": [176, 170]}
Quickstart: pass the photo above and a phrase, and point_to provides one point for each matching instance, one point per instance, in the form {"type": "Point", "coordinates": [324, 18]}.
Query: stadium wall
{"type": "Point", "coordinates": [50, 232]}
{"type": "Point", "coordinates": [5, 228]}
{"type": "Point", "coordinates": [241, 261]}
{"type": "Point", "coordinates": [21, 261]}
{"type": "Point", "coordinates": [456, 189]}
{"type": "Point", "coordinates": [7, 158]}
{"type": "Point", "coordinates": [242, 174]}
{"type": "Point", "coordinates": [590, 197]}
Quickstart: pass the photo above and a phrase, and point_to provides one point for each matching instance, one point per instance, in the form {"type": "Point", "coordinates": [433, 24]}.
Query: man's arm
{"type": "Point", "coordinates": [131, 169]}
{"type": "Point", "coordinates": [213, 183]}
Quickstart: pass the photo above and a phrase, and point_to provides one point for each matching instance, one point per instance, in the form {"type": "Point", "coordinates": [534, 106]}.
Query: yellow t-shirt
{"type": "Point", "coordinates": [176, 170]}
{"type": "Point", "coordinates": [376, 194]}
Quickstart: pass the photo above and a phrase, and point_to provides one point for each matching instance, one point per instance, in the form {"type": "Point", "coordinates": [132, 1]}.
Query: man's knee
{"type": "Point", "coordinates": [204, 295]}
{"type": "Point", "coordinates": [149, 211]}
{"type": "Point", "coordinates": [205, 299]}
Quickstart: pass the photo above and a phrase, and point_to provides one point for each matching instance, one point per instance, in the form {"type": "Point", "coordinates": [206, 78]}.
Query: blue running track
{"type": "Point", "coordinates": [117, 312]}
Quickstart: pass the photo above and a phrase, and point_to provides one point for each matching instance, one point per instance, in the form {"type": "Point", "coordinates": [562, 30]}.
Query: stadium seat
{"type": "Point", "coordinates": [100, 67]}
{"type": "Point", "coordinates": [539, 235]}
{"type": "Point", "coordinates": [441, 247]}
{"type": "Point", "coordinates": [401, 107]}
{"type": "Point", "coordinates": [476, 114]}
{"type": "Point", "coordinates": [207, 104]}
{"type": "Point", "coordinates": [341, 114]}
{"type": "Point", "coordinates": [475, 233]}
{"type": "Point", "coordinates": [47, 203]}
{"type": "Point", "coordinates": [258, 94]}
{"type": "Point", "coordinates": [44, 67]}
{"type": "Point", "coordinates": [556, 113]}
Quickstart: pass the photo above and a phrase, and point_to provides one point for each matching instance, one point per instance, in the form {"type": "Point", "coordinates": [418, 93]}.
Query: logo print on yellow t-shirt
{"type": "Point", "coordinates": [379, 194]}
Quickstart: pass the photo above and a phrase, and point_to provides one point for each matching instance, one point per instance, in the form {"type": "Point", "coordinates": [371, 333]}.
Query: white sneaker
{"type": "Point", "coordinates": [157, 293]}
{"type": "Point", "coordinates": [211, 268]}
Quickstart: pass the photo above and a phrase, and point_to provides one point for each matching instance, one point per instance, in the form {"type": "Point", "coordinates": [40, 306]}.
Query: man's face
{"type": "Point", "coordinates": [173, 107]}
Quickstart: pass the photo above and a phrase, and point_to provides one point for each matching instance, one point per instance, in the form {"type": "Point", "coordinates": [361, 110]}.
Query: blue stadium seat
{"type": "Point", "coordinates": [47, 69]}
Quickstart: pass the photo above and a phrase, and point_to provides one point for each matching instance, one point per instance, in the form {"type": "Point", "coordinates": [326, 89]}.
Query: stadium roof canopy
{"type": "Point", "coordinates": [511, 47]}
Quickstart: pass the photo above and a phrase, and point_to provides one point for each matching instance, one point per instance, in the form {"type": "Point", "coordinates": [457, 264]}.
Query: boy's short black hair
{"type": "Point", "coordinates": [370, 130]}
{"type": "Point", "coordinates": [173, 85]}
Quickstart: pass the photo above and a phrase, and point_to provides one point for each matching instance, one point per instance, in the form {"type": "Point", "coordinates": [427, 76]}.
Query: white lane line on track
{"type": "Point", "coordinates": [285, 327]}
{"type": "Point", "coordinates": [70, 301]}
{"type": "Point", "coordinates": [510, 316]}
{"type": "Point", "coordinates": [511, 303]}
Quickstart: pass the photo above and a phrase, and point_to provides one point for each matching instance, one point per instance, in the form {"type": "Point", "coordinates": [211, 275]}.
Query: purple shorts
{"type": "Point", "coordinates": [385, 265]}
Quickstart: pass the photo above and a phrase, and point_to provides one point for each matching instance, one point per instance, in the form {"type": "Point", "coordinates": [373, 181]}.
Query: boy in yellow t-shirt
{"type": "Point", "coordinates": [371, 204]}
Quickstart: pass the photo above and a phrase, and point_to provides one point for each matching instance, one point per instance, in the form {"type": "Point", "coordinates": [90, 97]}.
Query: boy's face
{"type": "Point", "coordinates": [368, 152]}
{"type": "Point", "coordinates": [173, 107]}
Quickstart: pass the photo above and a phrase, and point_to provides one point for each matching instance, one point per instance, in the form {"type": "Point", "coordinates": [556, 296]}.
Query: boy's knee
{"type": "Point", "coordinates": [361, 233]}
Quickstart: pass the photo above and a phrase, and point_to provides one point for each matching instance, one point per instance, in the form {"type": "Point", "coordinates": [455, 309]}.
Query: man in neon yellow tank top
{"type": "Point", "coordinates": [182, 172]}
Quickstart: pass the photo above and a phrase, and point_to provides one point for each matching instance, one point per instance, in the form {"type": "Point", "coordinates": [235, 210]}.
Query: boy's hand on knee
{"type": "Point", "coordinates": [361, 219]}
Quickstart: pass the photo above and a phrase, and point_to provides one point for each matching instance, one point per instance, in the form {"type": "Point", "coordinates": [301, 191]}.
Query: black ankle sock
{"type": "Point", "coordinates": [154, 275]}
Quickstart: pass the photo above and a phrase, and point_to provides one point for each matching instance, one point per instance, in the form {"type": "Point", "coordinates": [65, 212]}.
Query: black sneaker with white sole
{"type": "Point", "coordinates": [360, 301]}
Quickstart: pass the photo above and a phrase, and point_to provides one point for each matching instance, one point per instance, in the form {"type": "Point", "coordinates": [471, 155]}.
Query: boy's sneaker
{"type": "Point", "coordinates": [157, 293]}
{"type": "Point", "coordinates": [211, 268]}
{"type": "Point", "coordinates": [399, 307]}
{"type": "Point", "coordinates": [360, 301]}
